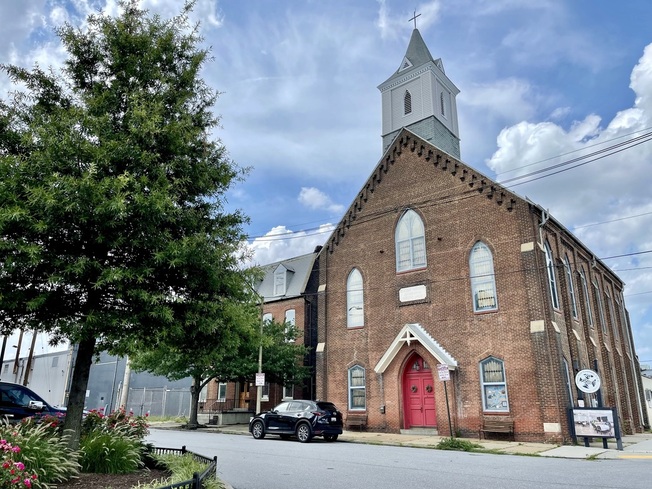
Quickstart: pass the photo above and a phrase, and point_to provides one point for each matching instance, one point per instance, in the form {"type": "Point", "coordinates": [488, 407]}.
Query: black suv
{"type": "Point", "coordinates": [18, 402]}
{"type": "Point", "coordinates": [304, 419]}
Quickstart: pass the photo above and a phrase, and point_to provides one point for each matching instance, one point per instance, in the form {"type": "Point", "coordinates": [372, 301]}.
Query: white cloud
{"type": "Point", "coordinates": [313, 198]}
{"type": "Point", "coordinates": [281, 243]}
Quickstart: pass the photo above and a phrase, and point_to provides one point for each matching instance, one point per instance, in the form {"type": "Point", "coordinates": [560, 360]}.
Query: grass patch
{"type": "Point", "coordinates": [458, 444]}
{"type": "Point", "coordinates": [183, 467]}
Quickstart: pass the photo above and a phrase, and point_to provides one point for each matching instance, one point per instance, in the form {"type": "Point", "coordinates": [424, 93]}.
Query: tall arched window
{"type": "Point", "coordinates": [587, 298]}
{"type": "Point", "coordinates": [407, 103]}
{"type": "Point", "coordinates": [483, 283]}
{"type": "Point", "coordinates": [354, 299]}
{"type": "Point", "coordinates": [571, 285]}
{"type": "Point", "coordinates": [357, 389]}
{"type": "Point", "coordinates": [410, 242]}
{"type": "Point", "coordinates": [494, 385]}
{"type": "Point", "coordinates": [552, 278]}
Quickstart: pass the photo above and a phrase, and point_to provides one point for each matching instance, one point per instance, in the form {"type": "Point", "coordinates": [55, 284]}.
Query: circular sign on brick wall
{"type": "Point", "coordinates": [587, 381]}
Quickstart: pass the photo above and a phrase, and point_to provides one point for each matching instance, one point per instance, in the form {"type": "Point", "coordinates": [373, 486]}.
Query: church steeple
{"type": "Point", "coordinates": [420, 97]}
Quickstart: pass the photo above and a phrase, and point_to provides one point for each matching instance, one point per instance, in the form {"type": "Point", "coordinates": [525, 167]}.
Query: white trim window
{"type": "Point", "coordinates": [552, 278]}
{"type": "Point", "coordinates": [494, 385]}
{"type": "Point", "coordinates": [410, 239]}
{"type": "Point", "coordinates": [290, 321]}
{"type": "Point", "coordinates": [571, 286]}
{"type": "Point", "coordinates": [357, 389]}
{"type": "Point", "coordinates": [601, 315]}
{"type": "Point", "coordinates": [221, 392]}
{"type": "Point", "coordinates": [587, 298]}
{"type": "Point", "coordinates": [268, 318]}
{"type": "Point", "coordinates": [354, 299]}
{"type": "Point", "coordinates": [288, 392]}
{"type": "Point", "coordinates": [483, 279]}
{"type": "Point", "coordinates": [612, 315]}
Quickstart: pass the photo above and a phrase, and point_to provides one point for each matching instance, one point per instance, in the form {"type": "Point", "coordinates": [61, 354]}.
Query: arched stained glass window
{"type": "Point", "coordinates": [483, 280]}
{"type": "Point", "coordinates": [354, 299]}
{"type": "Point", "coordinates": [410, 242]}
{"type": "Point", "coordinates": [357, 389]}
{"type": "Point", "coordinates": [494, 385]}
{"type": "Point", "coordinates": [552, 278]}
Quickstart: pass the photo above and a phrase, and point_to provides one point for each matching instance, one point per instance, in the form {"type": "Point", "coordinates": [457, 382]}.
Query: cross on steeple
{"type": "Point", "coordinates": [415, 18]}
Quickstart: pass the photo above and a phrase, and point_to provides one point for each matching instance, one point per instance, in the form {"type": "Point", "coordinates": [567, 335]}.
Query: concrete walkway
{"type": "Point", "coordinates": [634, 446]}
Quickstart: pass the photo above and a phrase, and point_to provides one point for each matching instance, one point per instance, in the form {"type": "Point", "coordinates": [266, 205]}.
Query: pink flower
{"type": "Point", "coordinates": [27, 482]}
{"type": "Point", "coordinates": [20, 465]}
{"type": "Point", "coordinates": [15, 449]}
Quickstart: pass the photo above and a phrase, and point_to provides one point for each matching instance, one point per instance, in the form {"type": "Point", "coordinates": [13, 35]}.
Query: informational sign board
{"type": "Point", "coordinates": [442, 370]}
{"type": "Point", "coordinates": [595, 423]}
{"type": "Point", "coordinates": [260, 380]}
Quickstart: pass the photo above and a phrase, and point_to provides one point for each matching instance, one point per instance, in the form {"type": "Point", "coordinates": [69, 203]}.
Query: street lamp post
{"type": "Point", "coordinates": [259, 388]}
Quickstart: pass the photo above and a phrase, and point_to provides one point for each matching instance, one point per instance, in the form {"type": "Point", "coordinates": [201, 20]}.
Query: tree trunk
{"type": "Point", "coordinates": [77, 397]}
{"type": "Point", "coordinates": [195, 389]}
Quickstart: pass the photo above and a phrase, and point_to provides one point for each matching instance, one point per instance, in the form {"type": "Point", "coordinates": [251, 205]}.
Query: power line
{"type": "Point", "coordinates": [603, 153]}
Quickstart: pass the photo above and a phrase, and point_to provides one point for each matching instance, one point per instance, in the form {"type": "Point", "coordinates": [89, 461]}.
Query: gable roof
{"type": "Point", "coordinates": [410, 333]}
{"type": "Point", "coordinates": [299, 267]}
{"type": "Point", "coordinates": [406, 141]}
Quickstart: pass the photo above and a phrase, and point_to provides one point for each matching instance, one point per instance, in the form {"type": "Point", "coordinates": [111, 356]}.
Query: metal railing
{"type": "Point", "coordinates": [197, 481]}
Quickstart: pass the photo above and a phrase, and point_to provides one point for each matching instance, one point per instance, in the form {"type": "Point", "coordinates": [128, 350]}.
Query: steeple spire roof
{"type": "Point", "coordinates": [417, 51]}
{"type": "Point", "coordinates": [417, 54]}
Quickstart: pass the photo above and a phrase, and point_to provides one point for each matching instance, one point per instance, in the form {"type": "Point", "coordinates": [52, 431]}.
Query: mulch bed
{"type": "Point", "coordinates": [114, 481]}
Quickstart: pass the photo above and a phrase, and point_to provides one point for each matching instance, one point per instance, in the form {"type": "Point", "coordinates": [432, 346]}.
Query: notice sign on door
{"type": "Point", "coordinates": [260, 380]}
{"type": "Point", "coordinates": [442, 370]}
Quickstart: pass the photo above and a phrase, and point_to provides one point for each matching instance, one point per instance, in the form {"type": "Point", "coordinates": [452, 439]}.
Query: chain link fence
{"type": "Point", "coordinates": [159, 401]}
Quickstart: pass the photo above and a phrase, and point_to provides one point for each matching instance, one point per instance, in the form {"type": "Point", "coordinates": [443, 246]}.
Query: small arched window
{"type": "Point", "coordinates": [494, 385]}
{"type": "Point", "coordinates": [410, 242]}
{"type": "Point", "coordinates": [407, 103]}
{"type": "Point", "coordinates": [442, 105]}
{"type": "Point", "coordinates": [354, 299]}
{"type": "Point", "coordinates": [552, 278]}
{"type": "Point", "coordinates": [483, 281]}
{"type": "Point", "coordinates": [357, 389]}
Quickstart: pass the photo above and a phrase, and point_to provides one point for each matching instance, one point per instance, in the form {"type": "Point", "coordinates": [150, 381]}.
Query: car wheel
{"type": "Point", "coordinates": [330, 437]}
{"type": "Point", "coordinates": [258, 430]}
{"type": "Point", "coordinates": [304, 433]}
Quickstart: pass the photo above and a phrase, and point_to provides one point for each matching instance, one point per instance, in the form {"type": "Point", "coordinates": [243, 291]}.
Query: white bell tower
{"type": "Point", "coordinates": [420, 97]}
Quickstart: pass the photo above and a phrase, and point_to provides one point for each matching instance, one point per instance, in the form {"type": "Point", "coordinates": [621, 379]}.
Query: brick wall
{"type": "Point", "coordinates": [456, 214]}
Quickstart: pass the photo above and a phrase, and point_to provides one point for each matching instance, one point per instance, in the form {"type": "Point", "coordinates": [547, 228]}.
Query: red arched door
{"type": "Point", "coordinates": [418, 394]}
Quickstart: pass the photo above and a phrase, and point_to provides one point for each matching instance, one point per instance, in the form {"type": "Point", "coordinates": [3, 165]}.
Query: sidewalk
{"type": "Point", "coordinates": [635, 446]}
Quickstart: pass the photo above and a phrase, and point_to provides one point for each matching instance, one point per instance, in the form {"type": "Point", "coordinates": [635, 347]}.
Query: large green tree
{"type": "Point", "coordinates": [202, 360]}
{"type": "Point", "coordinates": [112, 221]}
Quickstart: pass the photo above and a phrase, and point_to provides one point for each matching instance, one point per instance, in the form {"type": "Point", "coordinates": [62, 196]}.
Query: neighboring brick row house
{"type": "Point", "coordinates": [288, 289]}
{"type": "Point", "coordinates": [433, 266]}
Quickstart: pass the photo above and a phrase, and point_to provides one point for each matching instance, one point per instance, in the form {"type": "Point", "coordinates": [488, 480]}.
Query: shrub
{"type": "Point", "coordinates": [120, 421]}
{"type": "Point", "coordinates": [12, 473]}
{"type": "Point", "coordinates": [106, 452]}
{"type": "Point", "coordinates": [41, 451]}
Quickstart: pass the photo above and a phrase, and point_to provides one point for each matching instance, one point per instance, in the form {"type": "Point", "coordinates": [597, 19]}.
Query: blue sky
{"type": "Point", "coordinates": [299, 106]}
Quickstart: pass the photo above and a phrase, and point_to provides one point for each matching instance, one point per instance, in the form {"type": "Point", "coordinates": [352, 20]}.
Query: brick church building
{"type": "Point", "coordinates": [437, 269]}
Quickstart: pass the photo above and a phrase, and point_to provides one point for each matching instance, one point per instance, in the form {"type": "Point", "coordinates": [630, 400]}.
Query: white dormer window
{"type": "Point", "coordinates": [280, 280]}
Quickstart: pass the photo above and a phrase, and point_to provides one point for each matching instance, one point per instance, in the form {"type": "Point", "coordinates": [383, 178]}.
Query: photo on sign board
{"type": "Point", "coordinates": [594, 423]}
